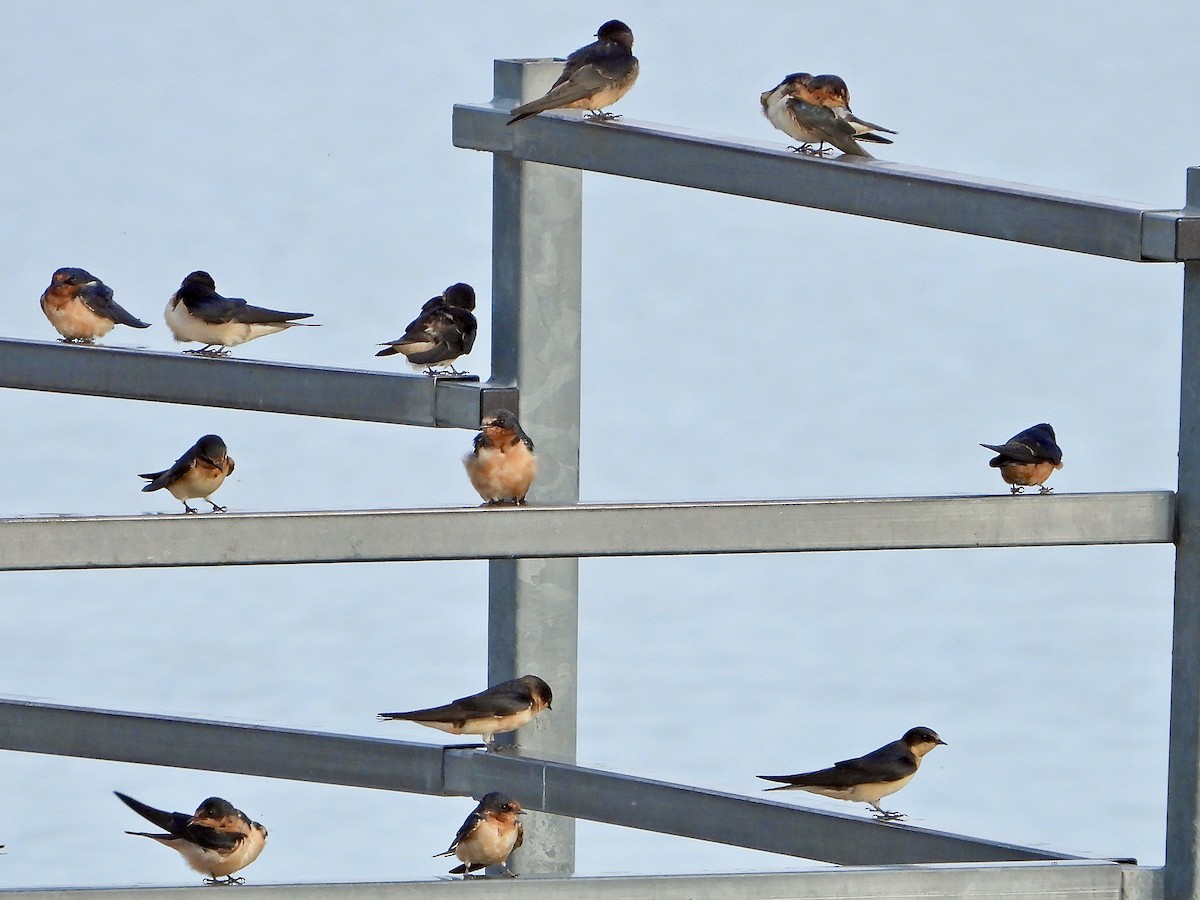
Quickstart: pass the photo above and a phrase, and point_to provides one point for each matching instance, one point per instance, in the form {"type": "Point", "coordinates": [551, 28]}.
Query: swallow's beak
{"type": "Point", "coordinates": [943, 743]}
{"type": "Point", "coordinates": [520, 812]}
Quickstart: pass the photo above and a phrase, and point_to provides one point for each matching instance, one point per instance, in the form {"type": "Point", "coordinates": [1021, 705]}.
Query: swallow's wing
{"type": "Point", "coordinates": [98, 297]}
{"type": "Point", "coordinates": [210, 838]}
{"type": "Point", "coordinates": [174, 823]}
{"type": "Point", "coordinates": [824, 122]}
{"type": "Point", "coordinates": [471, 823]}
{"type": "Point", "coordinates": [1018, 451]}
{"type": "Point", "coordinates": [861, 126]}
{"type": "Point", "coordinates": [220, 310]}
{"type": "Point", "coordinates": [159, 480]}
{"type": "Point", "coordinates": [890, 762]}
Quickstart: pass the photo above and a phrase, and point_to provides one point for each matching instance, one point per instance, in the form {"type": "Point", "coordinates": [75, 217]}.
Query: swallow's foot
{"type": "Point", "coordinates": [1017, 489]}
{"type": "Point", "coordinates": [214, 506]}
{"type": "Point", "coordinates": [212, 351]}
{"type": "Point", "coordinates": [599, 115]}
{"type": "Point", "coordinates": [1042, 489]}
{"type": "Point", "coordinates": [888, 815]}
{"type": "Point", "coordinates": [189, 510]}
{"type": "Point", "coordinates": [77, 340]}
{"type": "Point", "coordinates": [508, 873]}
{"type": "Point", "coordinates": [227, 880]}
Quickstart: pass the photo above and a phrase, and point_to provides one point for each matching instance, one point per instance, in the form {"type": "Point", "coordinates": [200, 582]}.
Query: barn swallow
{"type": "Point", "coordinates": [216, 841]}
{"type": "Point", "coordinates": [198, 473]}
{"type": "Point", "coordinates": [593, 77]}
{"type": "Point", "coordinates": [867, 779]}
{"type": "Point", "coordinates": [196, 312]}
{"type": "Point", "coordinates": [501, 708]}
{"type": "Point", "coordinates": [816, 110]}
{"type": "Point", "coordinates": [488, 837]}
{"type": "Point", "coordinates": [81, 307]}
{"type": "Point", "coordinates": [444, 331]}
{"type": "Point", "coordinates": [1028, 458]}
{"type": "Point", "coordinates": [501, 464]}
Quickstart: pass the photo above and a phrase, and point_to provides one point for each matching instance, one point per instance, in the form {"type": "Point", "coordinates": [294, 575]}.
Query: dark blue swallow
{"type": "Point", "coordinates": [1028, 458]}
{"type": "Point", "coordinates": [81, 307]}
{"type": "Point", "coordinates": [444, 331]}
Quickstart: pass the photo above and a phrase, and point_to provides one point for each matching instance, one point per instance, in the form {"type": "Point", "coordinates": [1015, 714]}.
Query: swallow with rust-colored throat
{"type": "Point", "coordinates": [867, 779]}
{"type": "Point", "coordinates": [217, 840]}
{"type": "Point", "coordinates": [501, 464]}
{"type": "Point", "coordinates": [81, 307]}
{"type": "Point", "coordinates": [815, 109]}
{"type": "Point", "coordinates": [488, 836]}
{"type": "Point", "coordinates": [196, 474]}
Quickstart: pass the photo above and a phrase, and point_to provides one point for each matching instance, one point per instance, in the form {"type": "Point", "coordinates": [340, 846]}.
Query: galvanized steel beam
{"type": "Point", "coordinates": [565, 791]}
{"type": "Point", "coordinates": [533, 604]}
{"type": "Point", "coordinates": [248, 384]}
{"type": "Point", "coordinates": [587, 530]}
{"type": "Point", "coordinates": [1182, 870]}
{"type": "Point", "coordinates": [875, 188]}
{"type": "Point", "coordinates": [1085, 880]}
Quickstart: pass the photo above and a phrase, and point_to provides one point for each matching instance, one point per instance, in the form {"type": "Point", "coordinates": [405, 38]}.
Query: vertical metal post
{"type": "Point", "coordinates": [533, 604]}
{"type": "Point", "coordinates": [1182, 872]}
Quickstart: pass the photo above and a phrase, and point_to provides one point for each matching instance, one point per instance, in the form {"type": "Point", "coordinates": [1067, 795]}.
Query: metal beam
{"type": "Point", "coordinates": [875, 188]}
{"type": "Point", "coordinates": [1085, 880]}
{"type": "Point", "coordinates": [533, 604]}
{"type": "Point", "coordinates": [587, 530]}
{"type": "Point", "coordinates": [557, 788]}
{"type": "Point", "coordinates": [248, 384]}
{"type": "Point", "coordinates": [1182, 870]}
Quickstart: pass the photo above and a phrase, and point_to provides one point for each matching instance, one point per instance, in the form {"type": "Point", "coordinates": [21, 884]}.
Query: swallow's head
{"type": "Point", "coordinates": [212, 449]}
{"type": "Point", "coordinates": [216, 808]}
{"type": "Point", "coordinates": [500, 805]}
{"type": "Point", "coordinates": [199, 279]}
{"type": "Point", "coordinates": [72, 275]}
{"type": "Point", "coordinates": [829, 90]}
{"type": "Point", "coordinates": [461, 295]}
{"type": "Point", "coordinates": [921, 740]}
{"type": "Point", "coordinates": [616, 30]}
{"type": "Point", "coordinates": [501, 420]}
{"type": "Point", "coordinates": [539, 691]}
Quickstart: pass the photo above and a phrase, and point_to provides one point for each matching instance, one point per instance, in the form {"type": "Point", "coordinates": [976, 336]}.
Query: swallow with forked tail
{"type": "Point", "coordinates": [196, 312]}
{"type": "Point", "coordinates": [867, 779]}
{"type": "Point", "coordinates": [815, 109]}
{"type": "Point", "coordinates": [196, 474]}
{"type": "Point", "coordinates": [1028, 458]}
{"type": "Point", "coordinates": [217, 840]}
{"type": "Point", "coordinates": [593, 77]}
{"type": "Point", "coordinates": [488, 836]}
{"type": "Point", "coordinates": [501, 708]}
{"type": "Point", "coordinates": [444, 331]}
{"type": "Point", "coordinates": [81, 307]}
{"type": "Point", "coordinates": [501, 464]}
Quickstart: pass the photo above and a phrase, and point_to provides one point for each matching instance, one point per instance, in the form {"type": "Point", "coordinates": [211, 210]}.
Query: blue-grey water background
{"type": "Point", "coordinates": [301, 152]}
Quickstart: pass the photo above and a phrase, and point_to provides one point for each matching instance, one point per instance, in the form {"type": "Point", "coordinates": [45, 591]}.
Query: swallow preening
{"type": "Point", "coordinates": [815, 109]}
{"type": "Point", "coordinates": [867, 779]}
{"type": "Point", "coordinates": [488, 836]}
{"type": "Point", "coordinates": [593, 77]}
{"type": "Point", "coordinates": [1028, 458]}
{"type": "Point", "coordinates": [196, 474]}
{"type": "Point", "coordinates": [217, 840]}
{"type": "Point", "coordinates": [196, 312]}
{"type": "Point", "coordinates": [501, 708]}
{"type": "Point", "coordinates": [81, 307]}
{"type": "Point", "coordinates": [501, 464]}
{"type": "Point", "coordinates": [444, 331]}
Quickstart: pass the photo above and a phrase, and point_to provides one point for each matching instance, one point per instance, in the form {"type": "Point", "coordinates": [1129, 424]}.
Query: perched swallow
{"type": "Point", "coordinates": [444, 331]}
{"type": "Point", "coordinates": [488, 837]}
{"type": "Point", "coordinates": [594, 76]}
{"type": "Point", "coordinates": [1028, 458]}
{"type": "Point", "coordinates": [501, 708]}
{"type": "Point", "coordinates": [81, 307]}
{"type": "Point", "coordinates": [196, 312]}
{"type": "Point", "coordinates": [198, 473]}
{"type": "Point", "coordinates": [217, 841]}
{"type": "Point", "coordinates": [867, 779]}
{"type": "Point", "coordinates": [815, 109]}
{"type": "Point", "coordinates": [501, 464]}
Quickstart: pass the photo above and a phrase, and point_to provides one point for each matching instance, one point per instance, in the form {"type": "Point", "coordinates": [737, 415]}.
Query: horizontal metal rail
{"type": "Point", "coordinates": [555, 788]}
{"type": "Point", "coordinates": [248, 384]}
{"type": "Point", "coordinates": [874, 188]}
{"type": "Point", "coordinates": [587, 530]}
{"type": "Point", "coordinates": [1084, 879]}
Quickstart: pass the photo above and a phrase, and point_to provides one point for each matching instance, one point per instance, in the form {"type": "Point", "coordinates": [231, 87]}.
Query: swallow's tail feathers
{"type": "Point", "coordinates": [123, 317]}
{"type": "Point", "coordinates": [869, 126]}
{"type": "Point", "coordinates": [153, 837]}
{"type": "Point", "coordinates": [787, 781]}
{"type": "Point", "coordinates": [158, 481]}
{"type": "Point", "coordinates": [872, 138]}
{"type": "Point", "coordinates": [389, 349]}
{"type": "Point", "coordinates": [171, 822]}
{"type": "Point", "coordinates": [583, 83]}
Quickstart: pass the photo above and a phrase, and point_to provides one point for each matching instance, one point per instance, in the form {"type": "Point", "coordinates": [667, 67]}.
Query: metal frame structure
{"type": "Point", "coordinates": [533, 594]}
